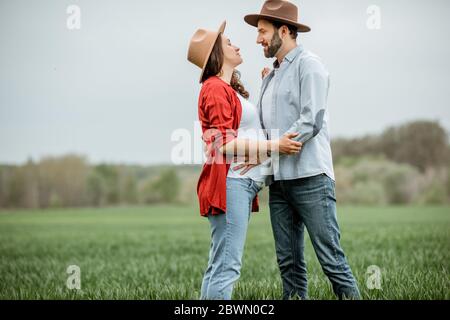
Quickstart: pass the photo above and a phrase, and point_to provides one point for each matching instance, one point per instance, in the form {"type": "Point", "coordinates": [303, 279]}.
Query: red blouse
{"type": "Point", "coordinates": [219, 112]}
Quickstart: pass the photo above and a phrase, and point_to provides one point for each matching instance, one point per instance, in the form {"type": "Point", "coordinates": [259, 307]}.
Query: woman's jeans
{"type": "Point", "coordinates": [228, 233]}
{"type": "Point", "coordinates": [311, 203]}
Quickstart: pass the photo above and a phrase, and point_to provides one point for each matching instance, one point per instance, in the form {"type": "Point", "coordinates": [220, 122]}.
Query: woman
{"type": "Point", "coordinates": [227, 192]}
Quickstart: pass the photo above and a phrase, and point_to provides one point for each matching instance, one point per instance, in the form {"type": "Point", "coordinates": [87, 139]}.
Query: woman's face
{"type": "Point", "coordinates": [231, 55]}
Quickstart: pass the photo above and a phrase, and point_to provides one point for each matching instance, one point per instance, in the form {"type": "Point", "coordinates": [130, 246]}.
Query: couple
{"type": "Point", "coordinates": [292, 102]}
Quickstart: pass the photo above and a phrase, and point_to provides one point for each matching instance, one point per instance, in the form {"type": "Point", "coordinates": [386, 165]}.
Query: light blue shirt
{"type": "Point", "coordinates": [299, 104]}
{"type": "Point", "coordinates": [266, 103]}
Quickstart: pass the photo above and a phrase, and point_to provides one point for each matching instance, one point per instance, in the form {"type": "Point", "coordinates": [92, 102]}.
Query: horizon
{"type": "Point", "coordinates": [161, 164]}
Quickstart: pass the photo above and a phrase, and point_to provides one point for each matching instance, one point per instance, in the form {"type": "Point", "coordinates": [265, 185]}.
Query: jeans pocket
{"type": "Point", "coordinates": [259, 185]}
{"type": "Point", "coordinates": [331, 189]}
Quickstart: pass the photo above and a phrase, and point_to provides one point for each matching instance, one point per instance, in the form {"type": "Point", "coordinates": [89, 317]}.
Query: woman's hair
{"type": "Point", "coordinates": [214, 67]}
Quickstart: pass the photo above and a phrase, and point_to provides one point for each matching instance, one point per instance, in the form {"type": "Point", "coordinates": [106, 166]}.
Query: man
{"type": "Point", "coordinates": [293, 99]}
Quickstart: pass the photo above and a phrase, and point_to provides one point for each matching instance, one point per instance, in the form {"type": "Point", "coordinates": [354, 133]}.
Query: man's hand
{"type": "Point", "coordinates": [288, 146]}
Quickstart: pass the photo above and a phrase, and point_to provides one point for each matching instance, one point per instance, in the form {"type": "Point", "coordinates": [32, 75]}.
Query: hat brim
{"type": "Point", "coordinates": [219, 32]}
{"type": "Point", "coordinates": [252, 19]}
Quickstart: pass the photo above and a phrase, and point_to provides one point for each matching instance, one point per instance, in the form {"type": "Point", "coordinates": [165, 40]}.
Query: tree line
{"type": "Point", "coordinates": [70, 181]}
{"type": "Point", "coordinates": [406, 164]}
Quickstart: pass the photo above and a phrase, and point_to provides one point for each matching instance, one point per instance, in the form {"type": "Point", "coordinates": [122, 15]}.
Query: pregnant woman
{"type": "Point", "coordinates": [227, 189]}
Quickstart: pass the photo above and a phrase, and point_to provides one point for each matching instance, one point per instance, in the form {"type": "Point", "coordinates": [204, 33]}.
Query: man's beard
{"type": "Point", "coordinates": [275, 45]}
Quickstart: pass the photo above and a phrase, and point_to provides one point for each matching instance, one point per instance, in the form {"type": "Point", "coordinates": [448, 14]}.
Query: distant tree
{"type": "Point", "coordinates": [128, 187]}
{"type": "Point", "coordinates": [16, 188]}
{"type": "Point", "coordinates": [95, 189]}
{"type": "Point", "coordinates": [2, 186]}
{"type": "Point", "coordinates": [147, 193]}
{"type": "Point", "coordinates": [31, 192]}
{"type": "Point", "coordinates": [448, 183]}
{"type": "Point", "coordinates": [166, 188]}
{"type": "Point", "coordinates": [109, 176]}
{"type": "Point", "coordinates": [371, 180]}
{"type": "Point", "coordinates": [62, 181]}
{"type": "Point", "coordinates": [356, 147]}
{"type": "Point", "coordinates": [422, 144]}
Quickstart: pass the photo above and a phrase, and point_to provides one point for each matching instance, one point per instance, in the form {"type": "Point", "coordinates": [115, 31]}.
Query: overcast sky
{"type": "Point", "coordinates": [117, 88]}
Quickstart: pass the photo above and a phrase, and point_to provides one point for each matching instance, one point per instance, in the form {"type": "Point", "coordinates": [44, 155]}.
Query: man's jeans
{"type": "Point", "coordinates": [311, 203]}
{"type": "Point", "coordinates": [228, 233]}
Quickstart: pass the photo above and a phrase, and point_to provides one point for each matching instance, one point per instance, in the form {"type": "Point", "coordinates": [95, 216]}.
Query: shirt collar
{"type": "Point", "coordinates": [290, 56]}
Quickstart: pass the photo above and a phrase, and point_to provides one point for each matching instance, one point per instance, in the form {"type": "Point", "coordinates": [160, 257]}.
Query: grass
{"type": "Point", "coordinates": [161, 252]}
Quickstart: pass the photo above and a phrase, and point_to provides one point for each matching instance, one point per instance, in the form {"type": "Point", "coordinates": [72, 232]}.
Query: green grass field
{"type": "Point", "coordinates": [161, 252]}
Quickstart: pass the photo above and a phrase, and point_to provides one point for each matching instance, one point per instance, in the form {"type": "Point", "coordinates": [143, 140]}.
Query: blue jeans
{"type": "Point", "coordinates": [228, 233]}
{"type": "Point", "coordinates": [311, 203]}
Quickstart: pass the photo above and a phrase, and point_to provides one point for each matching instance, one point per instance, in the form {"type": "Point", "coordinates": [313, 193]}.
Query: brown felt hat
{"type": "Point", "coordinates": [201, 45]}
{"type": "Point", "coordinates": [278, 10]}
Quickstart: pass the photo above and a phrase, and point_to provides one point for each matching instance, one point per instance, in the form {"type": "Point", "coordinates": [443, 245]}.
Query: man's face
{"type": "Point", "coordinates": [269, 38]}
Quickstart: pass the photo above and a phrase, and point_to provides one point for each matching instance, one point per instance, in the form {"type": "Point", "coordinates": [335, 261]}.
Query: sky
{"type": "Point", "coordinates": [117, 88]}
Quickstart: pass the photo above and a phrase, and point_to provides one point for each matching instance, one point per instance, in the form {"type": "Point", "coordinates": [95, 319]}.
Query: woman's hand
{"type": "Point", "coordinates": [265, 72]}
{"type": "Point", "coordinates": [247, 163]}
{"type": "Point", "coordinates": [246, 167]}
{"type": "Point", "coordinates": [206, 150]}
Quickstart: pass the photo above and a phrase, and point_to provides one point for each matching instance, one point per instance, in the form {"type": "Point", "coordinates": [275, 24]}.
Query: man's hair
{"type": "Point", "coordinates": [292, 30]}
